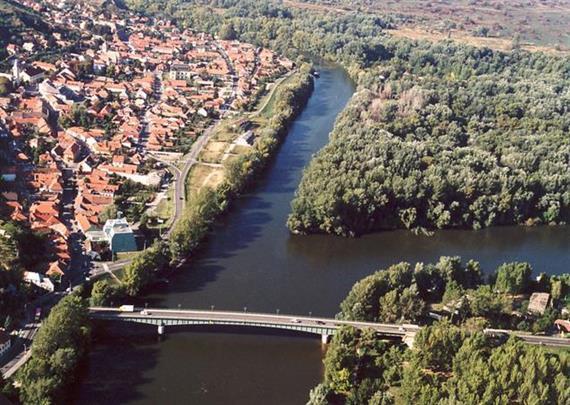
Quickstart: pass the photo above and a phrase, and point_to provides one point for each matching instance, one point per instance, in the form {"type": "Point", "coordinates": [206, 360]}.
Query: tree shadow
{"type": "Point", "coordinates": [122, 353]}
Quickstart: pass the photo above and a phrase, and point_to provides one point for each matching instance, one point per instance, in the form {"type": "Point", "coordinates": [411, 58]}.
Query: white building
{"type": "Point", "coordinates": [38, 280]}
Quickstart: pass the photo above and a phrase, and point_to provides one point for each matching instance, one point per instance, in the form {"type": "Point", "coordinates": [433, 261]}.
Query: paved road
{"type": "Point", "coordinates": [553, 341]}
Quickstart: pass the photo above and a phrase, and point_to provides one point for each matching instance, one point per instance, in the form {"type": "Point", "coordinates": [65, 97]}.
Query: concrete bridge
{"type": "Point", "coordinates": [325, 327]}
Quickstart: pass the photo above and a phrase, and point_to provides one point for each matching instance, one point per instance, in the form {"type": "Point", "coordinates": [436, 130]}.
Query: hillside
{"type": "Point", "coordinates": [16, 21]}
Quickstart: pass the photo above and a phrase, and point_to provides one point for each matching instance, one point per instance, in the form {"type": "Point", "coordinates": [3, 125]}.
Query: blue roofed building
{"type": "Point", "coordinates": [119, 235]}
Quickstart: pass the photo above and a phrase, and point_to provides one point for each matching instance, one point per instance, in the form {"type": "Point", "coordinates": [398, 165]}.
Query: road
{"type": "Point", "coordinates": [552, 341]}
{"type": "Point", "coordinates": [270, 95]}
{"type": "Point", "coordinates": [20, 347]}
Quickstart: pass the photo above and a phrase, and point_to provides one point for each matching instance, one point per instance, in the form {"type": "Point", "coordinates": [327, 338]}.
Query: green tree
{"type": "Point", "coordinates": [513, 277]}
{"type": "Point", "coordinates": [103, 293]}
{"type": "Point", "coordinates": [57, 349]}
{"type": "Point", "coordinates": [436, 346]}
{"type": "Point", "coordinates": [5, 86]}
{"type": "Point", "coordinates": [228, 32]}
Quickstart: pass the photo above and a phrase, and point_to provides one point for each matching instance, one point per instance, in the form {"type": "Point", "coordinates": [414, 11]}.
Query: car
{"type": "Point", "coordinates": [145, 312]}
{"type": "Point", "coordinates": [320, 322]}
{"type": "Point", "coordinates": [295, 320]}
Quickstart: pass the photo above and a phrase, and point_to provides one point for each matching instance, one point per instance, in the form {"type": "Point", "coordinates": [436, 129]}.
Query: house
{"type": "Point", "coordinates": [56, 269]}
{"type": "Point", "coordinates": [5, 342]}
{"type": "Point", "coordinates": [8, 174]}
{"type": "Point", "coordinates": [32, 75]}
{"type": "Point", "coordinates": [119, 235]}
{"type": "Point", "coordinates": [538, 303]}
{"type": "Point", "coordinates": [38, 280]}
{"type": "Point", "coordinates": [246, 139]}
{"type": "Point", "coordinates": [563, 325]}
{"type": "Point", "coordinates": [180, 72]}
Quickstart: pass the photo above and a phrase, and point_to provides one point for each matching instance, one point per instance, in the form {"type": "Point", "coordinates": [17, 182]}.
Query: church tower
{"type": "Point", "coordinates": [16, 72]}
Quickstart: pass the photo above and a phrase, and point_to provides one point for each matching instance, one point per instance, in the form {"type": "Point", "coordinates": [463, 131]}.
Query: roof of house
{"type": "Point", "coordinates": [538, 302]}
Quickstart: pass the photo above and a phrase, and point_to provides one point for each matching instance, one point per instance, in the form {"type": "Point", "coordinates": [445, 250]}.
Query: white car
{"type": "Point", "coordinates": [295, 320]}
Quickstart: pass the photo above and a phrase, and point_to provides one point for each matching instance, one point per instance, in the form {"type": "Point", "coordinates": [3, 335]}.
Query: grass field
{"type": "Point", "coordinates": [165, 209]}
{"type": "Point", "coordinates": [201, 176]}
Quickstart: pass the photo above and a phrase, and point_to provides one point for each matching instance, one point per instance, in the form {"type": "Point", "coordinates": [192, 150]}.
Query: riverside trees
{"type": "Point", "coordinates": [57, 350]}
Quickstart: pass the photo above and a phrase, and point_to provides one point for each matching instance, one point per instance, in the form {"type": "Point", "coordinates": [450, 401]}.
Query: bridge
{"type": "Point", "coordinates": [325, 327]}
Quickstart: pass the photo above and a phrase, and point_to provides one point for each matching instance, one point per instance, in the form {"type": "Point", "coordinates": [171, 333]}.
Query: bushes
{"type": "Point", "coordinates": [57, 351]}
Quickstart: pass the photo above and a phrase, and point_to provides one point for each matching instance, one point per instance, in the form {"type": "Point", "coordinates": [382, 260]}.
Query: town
{"type": "Point", "coordinates": [94, 118]}
{"type": "Point", "coordinates": [79, 134]}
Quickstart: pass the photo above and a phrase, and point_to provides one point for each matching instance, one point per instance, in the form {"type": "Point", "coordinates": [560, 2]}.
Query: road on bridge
{"type": "Point", "coordinates": [293, 322]}
{"type": "Point", "coordinates": [257, 319]}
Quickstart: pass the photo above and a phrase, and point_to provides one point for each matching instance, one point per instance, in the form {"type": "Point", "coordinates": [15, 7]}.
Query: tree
{"type": "Point", "coordinates": [513, 277]}
{"type": "Point", "coordinates": [57, 349]}
{"type": "Point", "coordinates": [228, 32]}
{"type": "Point", "coordinates": [5, 86]}
{"type": "Point", "coordinates": [103, 293]}
{"type": "Point", "coordinates": [435, 346]}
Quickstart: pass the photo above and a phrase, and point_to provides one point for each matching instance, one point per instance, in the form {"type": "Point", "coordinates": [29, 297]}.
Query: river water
{"type": "Point", "coordinates": [252, 263]}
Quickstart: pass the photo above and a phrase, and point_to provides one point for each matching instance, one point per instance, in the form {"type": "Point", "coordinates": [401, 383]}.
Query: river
{"type": "Point", "coordinates": [252, 263]}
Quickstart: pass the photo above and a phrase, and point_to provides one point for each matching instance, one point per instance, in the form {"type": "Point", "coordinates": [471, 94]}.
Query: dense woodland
{"type": "Point", "coordinates": [451, 361]}
{"type": "Point", "coordinates": [407, 293]}
{"type": "Point", "coordinates": [445, 366]}
{"type": "Point", "coordinates": [442, 135]}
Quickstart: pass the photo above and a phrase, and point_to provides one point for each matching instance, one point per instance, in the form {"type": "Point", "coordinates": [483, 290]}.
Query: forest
{"type": "Point", "coordinates": [445, 366]}
{"type": "Point", "coordinates": [444, 135]}
{"type": "Point", "coordinates": [451, 361]}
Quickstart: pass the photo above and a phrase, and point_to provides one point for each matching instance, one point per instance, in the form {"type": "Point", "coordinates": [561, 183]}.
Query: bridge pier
{"type": "Point", "coordinates": [161, 329]}
{"type": "Point", "coordinates": [409, 338]}
{"type": "Point", "coordinates": [325, 338]}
